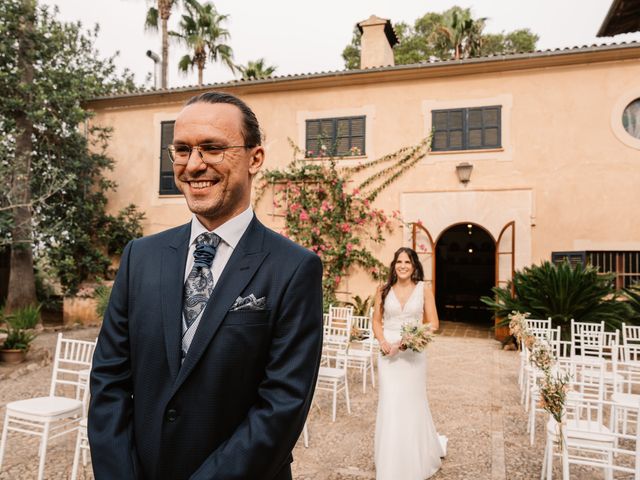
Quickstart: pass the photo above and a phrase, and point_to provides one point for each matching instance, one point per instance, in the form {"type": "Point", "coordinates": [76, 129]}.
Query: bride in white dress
{"type": "Point", "coordinates": [407, 445]}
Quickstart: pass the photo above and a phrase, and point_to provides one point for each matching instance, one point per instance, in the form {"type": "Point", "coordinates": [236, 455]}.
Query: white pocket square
{"type": "Point", "coordinates": [249, 303]}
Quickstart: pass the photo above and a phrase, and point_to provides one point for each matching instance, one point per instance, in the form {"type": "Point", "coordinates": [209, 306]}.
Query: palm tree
{"type": "Point", "coordinates": [256, 69]}
{"type": "Point", "coordinates": [161, 11]}
{"type": "Point", "coordinates": [202, 33]}
{"type": "Point", "coordinates": [460, 32]}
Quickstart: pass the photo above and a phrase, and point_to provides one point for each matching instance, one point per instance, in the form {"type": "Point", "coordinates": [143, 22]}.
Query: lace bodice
{"type": "Point", "coordinates": [395, 315]}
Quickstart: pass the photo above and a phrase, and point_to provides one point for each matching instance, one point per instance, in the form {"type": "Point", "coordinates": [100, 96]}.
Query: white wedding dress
{"type": "Point", "coordinates": [407, 445]}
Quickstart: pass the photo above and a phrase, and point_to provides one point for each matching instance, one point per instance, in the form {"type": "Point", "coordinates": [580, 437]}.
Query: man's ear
{"type": "Point", "coordinates": [256, 160]}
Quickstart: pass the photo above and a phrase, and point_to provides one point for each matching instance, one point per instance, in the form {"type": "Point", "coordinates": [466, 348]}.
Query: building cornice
{"type": "Point", "coordinates": [399, 73]}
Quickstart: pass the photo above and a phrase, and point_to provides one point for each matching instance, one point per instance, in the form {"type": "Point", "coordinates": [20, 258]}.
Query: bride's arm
{"type": "Point", "coordinates": [430, 314]}
{"type": "Point", "coordinates": [378, 330]}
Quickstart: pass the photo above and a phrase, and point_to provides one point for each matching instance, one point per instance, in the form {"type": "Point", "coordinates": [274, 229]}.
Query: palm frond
{"type": "Point", "coordinates": [152, 21]}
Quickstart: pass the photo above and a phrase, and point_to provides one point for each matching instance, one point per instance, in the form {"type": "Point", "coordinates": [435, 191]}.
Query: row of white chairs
{"type": "Point", "coordinates": [603, 382]}
{"type": "Point", "coordinates": [63, 411]}
{"type": "Point", "coordinates": [348, 342]}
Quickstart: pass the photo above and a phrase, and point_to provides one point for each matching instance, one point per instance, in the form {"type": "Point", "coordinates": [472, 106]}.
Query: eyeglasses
{"type": "Point", "coordinates": [209, 153]}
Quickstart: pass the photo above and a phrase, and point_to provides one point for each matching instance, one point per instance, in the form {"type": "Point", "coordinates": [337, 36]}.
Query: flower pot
{"type": "Point", "coordinates": [13, 355]}
{"type": "Point", "coordinates": [501, 332]}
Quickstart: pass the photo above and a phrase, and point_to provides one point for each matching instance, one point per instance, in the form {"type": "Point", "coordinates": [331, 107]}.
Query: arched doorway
{"type": "Point", "coordinates": [465, 270]}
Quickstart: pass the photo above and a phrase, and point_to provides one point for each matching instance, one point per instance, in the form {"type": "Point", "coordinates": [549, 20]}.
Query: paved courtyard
{"type": "Point", "coordinates": [472, 391]}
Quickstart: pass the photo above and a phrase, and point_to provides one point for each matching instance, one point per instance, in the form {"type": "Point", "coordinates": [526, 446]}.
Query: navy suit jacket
{"type": "Point", "coordinates": [236, 406]}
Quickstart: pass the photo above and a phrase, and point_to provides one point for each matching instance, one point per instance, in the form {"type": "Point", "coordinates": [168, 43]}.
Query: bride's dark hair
{"type": "Point", "coordinates": [416, 276]}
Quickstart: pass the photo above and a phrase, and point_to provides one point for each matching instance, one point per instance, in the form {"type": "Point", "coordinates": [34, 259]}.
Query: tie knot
{"type": "Point", "coordinates": [206, 244]}
{"type": "Point", "coordinates": [208, 238]}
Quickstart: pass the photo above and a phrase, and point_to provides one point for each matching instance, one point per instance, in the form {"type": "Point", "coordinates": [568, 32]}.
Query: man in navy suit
{"type": "Point", "coordinates": [208, 355]}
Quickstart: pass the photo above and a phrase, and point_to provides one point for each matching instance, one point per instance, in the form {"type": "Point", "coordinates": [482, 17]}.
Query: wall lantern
{"type": "Point", "coordinates": [464, 172]}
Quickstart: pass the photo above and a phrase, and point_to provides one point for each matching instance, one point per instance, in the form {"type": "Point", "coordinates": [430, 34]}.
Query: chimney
{"type": "Point", "coordinates": [378, 39]}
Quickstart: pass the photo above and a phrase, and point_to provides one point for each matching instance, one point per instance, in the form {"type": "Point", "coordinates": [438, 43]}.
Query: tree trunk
{"type": "Point", "coordinates": [200, 71]}
{"type": "Point", "coordinates": [165, 50]}
{"type": "Point", "coordinates": [22, 285]}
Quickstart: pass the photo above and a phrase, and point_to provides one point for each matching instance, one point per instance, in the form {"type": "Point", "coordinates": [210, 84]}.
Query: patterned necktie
{"type": "Point", "coordinates": [199, 283]}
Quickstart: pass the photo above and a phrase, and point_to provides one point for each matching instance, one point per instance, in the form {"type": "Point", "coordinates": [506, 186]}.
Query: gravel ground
{"type": "Point", "coordinates": [473, 395]}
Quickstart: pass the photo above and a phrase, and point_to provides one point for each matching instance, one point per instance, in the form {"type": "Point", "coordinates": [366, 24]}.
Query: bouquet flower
{"type": "Point", "coordinates": [415, 337]}
{"type": "Point", "coordinates": [541, 356]}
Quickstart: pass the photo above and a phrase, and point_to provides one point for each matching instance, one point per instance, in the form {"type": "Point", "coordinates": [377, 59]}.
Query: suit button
{"type": "Point", "coordinates": [172, 414]}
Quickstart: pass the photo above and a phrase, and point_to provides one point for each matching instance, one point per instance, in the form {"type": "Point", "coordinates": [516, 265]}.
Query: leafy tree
{"type": "Point", "coordinates": [202, 32]}
{"type": "Point", "coordinates": [160, 13]}
{"type": "Point", "coordinates": [453, 33]}
{"type": "Point", "coordinates": [460, 33]}
{"type": "Point", "coordinates": [53, 194]}
{"type": "Point", "coordinates": [256, 69]}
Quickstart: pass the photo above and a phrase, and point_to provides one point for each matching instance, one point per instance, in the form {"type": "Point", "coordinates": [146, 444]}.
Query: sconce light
{"type": "Point", "coordinates": [464, 172]}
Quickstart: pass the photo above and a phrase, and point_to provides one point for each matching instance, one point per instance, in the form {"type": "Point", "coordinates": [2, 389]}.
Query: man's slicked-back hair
{"type": "Point", "coordinates": [250, 125]}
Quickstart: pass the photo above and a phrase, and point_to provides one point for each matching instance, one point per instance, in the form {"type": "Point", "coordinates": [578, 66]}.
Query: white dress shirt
{"type": "Point", "coordinates": [230, 234]}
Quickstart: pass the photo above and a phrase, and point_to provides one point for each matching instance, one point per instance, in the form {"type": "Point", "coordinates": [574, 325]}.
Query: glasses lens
{"type": "Point", "coordinates": [211, 153]}
{"type": "Point", "coordinates": [179, 153]}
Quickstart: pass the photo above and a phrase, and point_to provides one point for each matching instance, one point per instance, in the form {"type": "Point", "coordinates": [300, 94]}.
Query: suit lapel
{"type": "Point", "coordinates": [174, 260]}
{"type": "Point", "coordinates": [241, 267]}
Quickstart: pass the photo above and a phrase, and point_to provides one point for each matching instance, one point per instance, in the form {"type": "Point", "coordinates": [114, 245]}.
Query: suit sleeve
{"type": "Point", "coordinates": [110, 426]}
{"type": "Point", "coordinates": [262, 443]}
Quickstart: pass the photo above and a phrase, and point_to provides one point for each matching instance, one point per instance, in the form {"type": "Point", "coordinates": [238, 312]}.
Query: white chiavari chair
{"type": "Point", "coordinates": [535, 376]}
{"type": "Point", "coordinates": [360, 353]}
{"type": "Point", "coordinates": [586, 339]}
{"type": "Point", "coordinates": [531, 324]}
{"type": "Point", "coordinates": [586, 384]}
{"type": "Point", "coordinates": [332, 375]}
{"type": "Point", "coordinates": [630, 334]}
{"type": "Point", "coordinates": [340, 317]}
{"type": "Point", "coordinates": [60, 412]}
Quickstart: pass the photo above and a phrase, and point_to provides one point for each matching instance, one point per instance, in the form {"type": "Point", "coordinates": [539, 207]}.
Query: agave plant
{"type": "Point", "coordinates": [360, 306]}
{"type": "Point", "coordinates": [561, 292]}
{"type": "Point", "coordinates": [633, 295]}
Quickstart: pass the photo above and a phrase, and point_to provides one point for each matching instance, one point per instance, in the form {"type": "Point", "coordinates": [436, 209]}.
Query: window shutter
{"type": "Point", "coordinates": [167, 184]}
{"type": "Point", "coordinates": [466, 128]}
{"type": "Point", "coordinates": [338, 135]}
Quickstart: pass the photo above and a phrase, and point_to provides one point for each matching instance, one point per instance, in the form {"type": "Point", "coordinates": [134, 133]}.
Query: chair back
{"type": "Point", "coordinates": [587, 339]}
{"type": "Point", "coordinates": [340, 317]}
{"type": "Point", "coordinates": [626, 371]}
{"type": "Point", "coordinates": [361, 331]}
{"type": "Point", "coordinates": [538, 324]}
{"type": "Point", "coordinates": [587, 379]}
{"type": "Point", "coordinates": [335, 346]}
{"type": "Point", "coordinates": [71, 365]}
{"type": "Point", "coordinates": [630, 334]}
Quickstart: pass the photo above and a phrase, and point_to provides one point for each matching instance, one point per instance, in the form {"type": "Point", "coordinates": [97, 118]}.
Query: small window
{"type": "Point", "coordinates": [466, 128]}
{"type": "Point", "coordinates": [631, 118]}
{"type": "Point", "coordinates": [167, 185]}
{"type": "Point", "coordinates": [339, 137]}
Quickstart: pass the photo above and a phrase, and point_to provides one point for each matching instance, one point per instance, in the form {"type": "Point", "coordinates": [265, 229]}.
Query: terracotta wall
{"type": "Point", "coordinates": [562, 171]}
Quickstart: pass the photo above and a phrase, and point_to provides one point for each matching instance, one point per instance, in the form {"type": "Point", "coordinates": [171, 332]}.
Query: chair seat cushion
{"type": "Point", "coordinates": [630, 400]}
{"type": "Point", "coordinates": [582, 430]}
{"type": "Point", "coordinates": [331, 372]}
{"type": "Point", "coordinates": [45, 406]}
{"type": "Point", "coordinates": [359, 353]}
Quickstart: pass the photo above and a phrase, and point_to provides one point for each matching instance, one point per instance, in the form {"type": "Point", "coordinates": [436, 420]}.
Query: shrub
{"type": "Point", "coordinates": [561, 292]}
{"type": "Point", "coordinates": [102, 294]}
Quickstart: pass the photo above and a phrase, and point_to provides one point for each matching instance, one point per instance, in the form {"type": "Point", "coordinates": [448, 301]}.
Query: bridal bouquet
{"type": "Point", "coordinates": [415, 337]}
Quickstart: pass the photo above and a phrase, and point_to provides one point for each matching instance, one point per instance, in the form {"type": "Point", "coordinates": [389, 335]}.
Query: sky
{"type": "Point", "coordinates": [301, 36]}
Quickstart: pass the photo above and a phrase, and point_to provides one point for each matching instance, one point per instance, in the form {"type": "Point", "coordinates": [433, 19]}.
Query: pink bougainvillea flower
{"type": "Point", "coordinates": [419, 223]}
{"type": "Point", "coordinates": [345, 227]}
{"type": "Point", "coordinates": [313, 210]}
{"type": "Point", "coordinates": [294, 207]}
{"type": "Point", "coordinates": [304, 216]}
{"type": "Point", "coordinates": [356, 191]}
{"type": "Point", "coordinates": [349, 247]}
